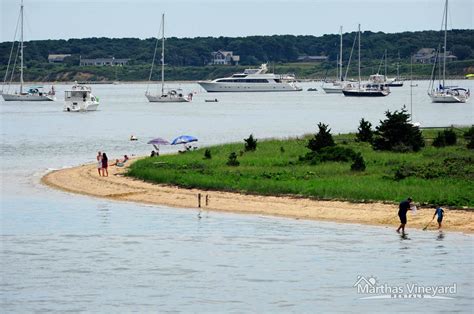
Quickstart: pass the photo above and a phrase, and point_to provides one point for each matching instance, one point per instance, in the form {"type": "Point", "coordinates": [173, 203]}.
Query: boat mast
{"type": "Point", "coordinates": [445, 39]}
{"type": "Point", "coordinates": [340, 56]}
{"type": "Point", "coordinates": [21, 49]}
{"type": "Point", "coordinates": [163, 54]}
{"type": "Point", "coordinates": [385, 70]}
{"type": "Point", "coordinates": [359, 56]}
{"type": "Point", "coordinates": [411, 88]}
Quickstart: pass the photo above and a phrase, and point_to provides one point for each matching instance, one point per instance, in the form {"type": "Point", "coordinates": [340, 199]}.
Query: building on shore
{"type": "Point", "coordinates": [306, 58]}
{"type": "Point", "coordinates": [57, 58]}
{"type": "Point", "coordinates": [103, 62]}
{"type": "Point", "coordinates": [224, 57]}
{"type": "Point", "coordinates": [428, 55]}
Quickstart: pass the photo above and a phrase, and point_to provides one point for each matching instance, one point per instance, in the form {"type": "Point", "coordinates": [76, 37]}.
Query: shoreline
{"type": "Point", "coordinates": [84, 180]}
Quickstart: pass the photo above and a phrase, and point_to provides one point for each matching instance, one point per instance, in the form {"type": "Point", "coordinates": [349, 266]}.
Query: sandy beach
{"type": "Point", "coordinates": [85, 180]}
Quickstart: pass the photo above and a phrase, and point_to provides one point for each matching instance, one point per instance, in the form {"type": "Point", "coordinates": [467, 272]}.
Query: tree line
{"type": "Point", "coordinates": [252, 49]}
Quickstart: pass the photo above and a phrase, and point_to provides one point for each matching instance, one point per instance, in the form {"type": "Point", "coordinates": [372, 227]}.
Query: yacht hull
{"type": "Point", "coordinates": [91, 106]}
{"type": "Point", "coordinates": [357, 93]}
{"type": "Point", "coordinates": [27, 97]}
{"type": "Point", "coordinates": [444, 98]}
{"type": "Point", "coordinates": [156, 98]}
{"type": "Point", "coordinates": [332, 90]}
{"type": "Point", "coordinates": [213, 87]}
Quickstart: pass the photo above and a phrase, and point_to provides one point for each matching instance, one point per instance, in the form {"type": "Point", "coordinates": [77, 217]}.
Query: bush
{"type": "Point", "coordinates": [322, 139]}
{"type": "Point", "coordinates": [233, 160]}
{"type": "Point", "coordinates": [207, 154]}
{"type": "Point", "coordinates": [365, 133]}
{"type": "Point", "coordinates": [445, 138]}
{"type": "Point", "coordinates": [439, 141]}
{"type": "Point", "coordinates": [469, 137]}
{"type": "Point", "coordinates": [359, 163]}
{"type": "Point", "coordinates": [396, 133]}
{"type": "Point", "coordinates": [250, 143]}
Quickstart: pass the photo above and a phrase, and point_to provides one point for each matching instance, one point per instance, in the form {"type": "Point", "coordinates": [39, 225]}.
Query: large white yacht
{"type": "Point", "coordinates": [253, 80]}
{"type": "Point", "coordinates": [79, 98]}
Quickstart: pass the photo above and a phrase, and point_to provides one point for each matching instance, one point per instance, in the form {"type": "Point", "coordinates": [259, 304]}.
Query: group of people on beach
{"type": "Point", "coordinates": [406, 205]}
{"type": "Point", "coordinates": [103, 163]}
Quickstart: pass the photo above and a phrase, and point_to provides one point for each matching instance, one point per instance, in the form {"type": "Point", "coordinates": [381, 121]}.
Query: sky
{"type": "Point", "coordinates": [64, 19]}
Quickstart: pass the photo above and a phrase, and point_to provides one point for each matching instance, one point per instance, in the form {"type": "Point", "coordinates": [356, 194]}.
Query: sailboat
{"type": "Point", "coordinates": [34, 93]}
{"type": "Point", "coordinates": [337, 85]}
{"type": "Point", "coordinates": [396, 81]}
{"type": "Point", "coordinates": [166, 95]}
{"type": "Point", "coordinates": [443, 93]}
{"type": "Point", "coordinates": [371, 89]}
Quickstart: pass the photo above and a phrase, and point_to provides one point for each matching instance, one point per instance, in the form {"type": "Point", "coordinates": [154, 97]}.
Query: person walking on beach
{"type": "Point", "coordinates": [440, 212]}
{"type": "Point", "coordinates": [99, 163]}
{"type": "Point", "coordinates": [402, 213]}
{"type": "Point", "coordinates": [105, 164]}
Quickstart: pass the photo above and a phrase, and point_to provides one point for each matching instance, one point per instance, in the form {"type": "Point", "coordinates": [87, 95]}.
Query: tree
{"type": "Point", "coordinates": [232, 161]}
{"type": "Point", "coordinates": [396, 133]}
{"type": "Point", "coordinates": [321, 139]}
{"type": "Point", "coordinates": [461, 51]}
{"type": "Point", "coordinates": [365, 133]}
{"type": "Point", "coordinates": [250, 143]}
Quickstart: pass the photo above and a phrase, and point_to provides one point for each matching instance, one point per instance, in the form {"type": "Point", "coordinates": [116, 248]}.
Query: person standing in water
{"type": "Point", "coordinates": [99, 163]}
{"type": "Point", "coordinates": [440, 212]}
{"type": "Point", "coordinates": [402, 213]}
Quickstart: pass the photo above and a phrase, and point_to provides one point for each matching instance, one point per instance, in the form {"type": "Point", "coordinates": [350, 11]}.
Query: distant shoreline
{"type": "Point", "coordinates": [85, 180]}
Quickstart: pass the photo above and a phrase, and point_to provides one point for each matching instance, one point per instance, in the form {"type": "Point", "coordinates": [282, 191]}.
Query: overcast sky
{"type": "Point", "coordinates": [63, 19]}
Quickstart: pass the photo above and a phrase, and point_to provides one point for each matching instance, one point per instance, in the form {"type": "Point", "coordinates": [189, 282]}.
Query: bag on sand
{"type": "Point", "coordinates": [413, 209]}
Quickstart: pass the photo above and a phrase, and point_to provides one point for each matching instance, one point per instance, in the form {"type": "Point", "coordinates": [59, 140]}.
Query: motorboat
{"type": "Point", "coordinates": [80, 99]}
{"type": "Point", "coordinates": [443, 93]}
{"type": "Point", "coordinates": [166, 94]}
{"type": "Point", "coordinates": [253, 80]}
{"type": "Point", "coordinates": [34, 93]}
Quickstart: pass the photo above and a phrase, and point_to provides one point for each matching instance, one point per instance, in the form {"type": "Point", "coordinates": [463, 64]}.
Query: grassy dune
{"type": "Point", "coordinates": [431, 176]}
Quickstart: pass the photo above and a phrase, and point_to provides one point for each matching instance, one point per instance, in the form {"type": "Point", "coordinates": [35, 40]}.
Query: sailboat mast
{"type": "Point", "coordinates": [359, 56]}
{"type": "Point", "coordinates": [340, 56]}
{"type": "Point", "coordinates": [445, 40]}
{"type": "Point", "coordinates": [163, 54]}
{"type": "Point", "coordinates": [21, 49]}
{"type": "Point", "coordinates": [385, 70]}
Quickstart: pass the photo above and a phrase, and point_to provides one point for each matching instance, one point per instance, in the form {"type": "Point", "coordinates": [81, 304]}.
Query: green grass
{"type": "Point", "coordinates": [436, 175]}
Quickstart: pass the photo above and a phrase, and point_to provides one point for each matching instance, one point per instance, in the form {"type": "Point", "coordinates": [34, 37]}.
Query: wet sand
{"type": "Point", "coordinates": [85, 180]}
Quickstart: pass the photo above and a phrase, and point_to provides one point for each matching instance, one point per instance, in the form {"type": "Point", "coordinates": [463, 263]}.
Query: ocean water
{"type": "Point", "coordinates": [64, 252]}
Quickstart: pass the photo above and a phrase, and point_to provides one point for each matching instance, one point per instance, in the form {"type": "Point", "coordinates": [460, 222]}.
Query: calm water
{"type": "Point", "coordinates": [64, 252]}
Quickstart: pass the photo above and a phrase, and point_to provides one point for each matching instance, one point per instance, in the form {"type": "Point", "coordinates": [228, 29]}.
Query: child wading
{"type": "Point", "coordinates": [440, 212]}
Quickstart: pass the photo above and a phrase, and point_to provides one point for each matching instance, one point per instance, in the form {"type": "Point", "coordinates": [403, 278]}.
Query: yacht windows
{"type": "Point", "coordinates": [242, 81]}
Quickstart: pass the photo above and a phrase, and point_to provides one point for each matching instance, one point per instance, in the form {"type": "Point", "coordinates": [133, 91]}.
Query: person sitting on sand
{"type": "Point", "coordinates": [133, 138]}
{"type": "Point", "coordinates": [440, 212]}
{"type": "Point", "coordinates": [402, 213]}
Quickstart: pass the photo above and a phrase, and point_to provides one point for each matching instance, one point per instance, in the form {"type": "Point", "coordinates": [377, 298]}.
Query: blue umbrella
{"type": "Point", "coordinates": [183, 139]}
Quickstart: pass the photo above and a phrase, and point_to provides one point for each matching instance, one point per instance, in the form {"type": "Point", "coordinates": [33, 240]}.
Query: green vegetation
{"type": "Point", "coordinates": [431, 175]}
{"type": "Point", "coordinates": [187, 58]}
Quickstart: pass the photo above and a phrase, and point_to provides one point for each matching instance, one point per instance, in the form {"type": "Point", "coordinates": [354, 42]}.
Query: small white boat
{"type": "Point", "coordinates": [337, 85]}
{"type": "Point", "coordinates": [33, 93]}
{"type": "Point", "coordinates": [165, 95]}
{"type": "Point", "coordinates": [80, 99]}
{"type": "Point", "coordinates": [444, 93]}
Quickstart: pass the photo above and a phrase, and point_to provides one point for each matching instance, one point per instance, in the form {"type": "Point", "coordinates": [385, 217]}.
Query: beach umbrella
{"type": "Point", "coordinates": [183, 139]}
{"type": "Point", "coordinates": [158, 141]}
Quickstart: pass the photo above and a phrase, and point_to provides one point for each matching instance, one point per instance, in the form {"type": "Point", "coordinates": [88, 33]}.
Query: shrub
{"type": "Point", "coordinates": [439, 140]}
{"type": "Point", "coordinates": [469, 136]}
{"type": "Point", "coordinates": [445, 138]}
{"type": "Point", "coordinates": [322, 139]}
{"type": "Point", "coordinates": [207, 154]}
{"type": "Point", "coordinates": [397, 132]}
{"type": "Point", "coordinates": [359, 163]}
{"type": "Point", "coordinates": [250, 143]}
{"type": "Point", "coordinates": [232, 161]}
{"type": "Point", "coordinates": [365, 133]}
